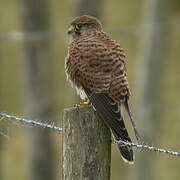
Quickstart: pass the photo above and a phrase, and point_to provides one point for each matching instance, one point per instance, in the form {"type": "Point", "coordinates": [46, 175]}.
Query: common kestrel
{"type": "Point", "coordinates": [95, 64]}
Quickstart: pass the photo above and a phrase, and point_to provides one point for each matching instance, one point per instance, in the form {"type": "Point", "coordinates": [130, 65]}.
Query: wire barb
{"type": "Point", "coordinates": [30, 121]}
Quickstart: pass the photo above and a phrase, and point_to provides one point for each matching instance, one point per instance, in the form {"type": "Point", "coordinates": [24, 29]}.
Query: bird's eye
{"type": "Point", "coordinates": [77, 27]}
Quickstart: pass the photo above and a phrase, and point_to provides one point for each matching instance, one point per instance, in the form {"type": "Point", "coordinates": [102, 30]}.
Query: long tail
{"type": "Point", "coordinates": [138, 137]}
{"type": "Point", "coordinates": [109, 111]}
{"type": "Point", "coordinates": [126, 151]}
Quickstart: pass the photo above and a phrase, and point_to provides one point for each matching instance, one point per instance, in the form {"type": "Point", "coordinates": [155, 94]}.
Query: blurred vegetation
{"type": "Point", "coordinates": [118, 17]}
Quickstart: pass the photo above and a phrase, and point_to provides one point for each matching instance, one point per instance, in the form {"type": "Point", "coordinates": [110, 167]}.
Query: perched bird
{"type": "Point", "coordinates": [95, 65]}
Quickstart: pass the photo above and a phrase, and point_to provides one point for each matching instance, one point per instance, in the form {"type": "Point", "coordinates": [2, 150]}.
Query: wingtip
{"type": "Point", "coordinates": [126, 161]}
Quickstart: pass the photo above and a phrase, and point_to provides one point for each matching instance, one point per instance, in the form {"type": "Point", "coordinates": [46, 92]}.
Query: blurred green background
{"type": "Point", "coordinates": [33, 45]}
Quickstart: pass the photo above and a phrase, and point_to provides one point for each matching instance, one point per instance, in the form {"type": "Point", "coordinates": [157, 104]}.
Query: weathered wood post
{"type": "Point", "coordinates": [86, 153]}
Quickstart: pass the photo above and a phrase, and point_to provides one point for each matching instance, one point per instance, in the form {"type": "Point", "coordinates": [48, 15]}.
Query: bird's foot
{"type": "Point", "coordinates": [83, 103]}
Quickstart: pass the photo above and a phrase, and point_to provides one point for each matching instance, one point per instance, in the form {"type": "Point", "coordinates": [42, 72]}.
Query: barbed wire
{"type": "Point", "coordinates": [147, 147]}
{"type": "Point", "coordinates": [31, 122]}
{"type": "Point", "coordinates": [59, 129]}
{"type": "Point", "coordinates": [46, 35]}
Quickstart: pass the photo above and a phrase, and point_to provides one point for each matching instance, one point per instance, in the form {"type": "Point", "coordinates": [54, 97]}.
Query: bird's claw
{"type": "Point", "coordinates": [83, 103]}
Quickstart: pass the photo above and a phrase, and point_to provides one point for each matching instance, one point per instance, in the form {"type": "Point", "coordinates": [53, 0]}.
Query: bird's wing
{"type": "Point", "coordinates": [110, 112]}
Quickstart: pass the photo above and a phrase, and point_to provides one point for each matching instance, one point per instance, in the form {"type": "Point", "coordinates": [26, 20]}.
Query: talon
{"type": "Point", "coordinates": [83, 103]}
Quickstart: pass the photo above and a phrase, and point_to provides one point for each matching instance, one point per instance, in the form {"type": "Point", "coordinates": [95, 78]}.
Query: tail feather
{"type": "Point", "coordinates": [126, 151]}
{"type": "Point", "coordinates": [110, 112]}
{"type": "Point", "coordinates": [138, 137]}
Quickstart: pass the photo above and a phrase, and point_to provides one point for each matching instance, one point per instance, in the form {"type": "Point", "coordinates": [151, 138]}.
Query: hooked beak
{"type": "Point", "coordinates": [70, 29]}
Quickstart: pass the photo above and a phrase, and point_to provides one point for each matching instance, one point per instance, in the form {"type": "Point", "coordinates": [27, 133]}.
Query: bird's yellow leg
{"type": "Point", "coordinates": [84, 103]}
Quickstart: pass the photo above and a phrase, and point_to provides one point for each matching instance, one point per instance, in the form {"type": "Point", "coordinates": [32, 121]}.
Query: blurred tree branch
{"type": "Point", "coordinates": [37, 86]}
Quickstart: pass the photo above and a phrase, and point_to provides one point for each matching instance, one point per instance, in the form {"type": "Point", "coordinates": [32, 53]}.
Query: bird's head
{"type": "Point", "coordinates": [83, 24]}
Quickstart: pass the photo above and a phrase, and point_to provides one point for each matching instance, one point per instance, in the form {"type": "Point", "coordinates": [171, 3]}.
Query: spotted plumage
{"type": "Point", "coordinates": [95, 64]}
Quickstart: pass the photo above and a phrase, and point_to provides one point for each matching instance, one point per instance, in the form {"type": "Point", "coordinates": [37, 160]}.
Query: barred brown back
{"type": "Point", "coordinates": [98, 62]}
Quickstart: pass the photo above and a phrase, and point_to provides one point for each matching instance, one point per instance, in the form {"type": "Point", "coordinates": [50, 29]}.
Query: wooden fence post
{"type": "Point", "coordinates": [86, 153]}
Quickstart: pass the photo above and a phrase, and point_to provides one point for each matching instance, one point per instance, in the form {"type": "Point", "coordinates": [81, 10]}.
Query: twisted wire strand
{"type": "Point", "coordinates": [30, 121]}
{"type": "Point", "coordinates": [59, 129]}
{"type": "Point", "coordinates": [147, 147]}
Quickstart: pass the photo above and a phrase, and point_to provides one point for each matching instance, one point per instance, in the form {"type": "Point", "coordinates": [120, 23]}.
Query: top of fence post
{"type": "Point", "coordinates": [86, 145]}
